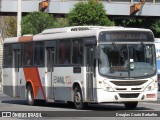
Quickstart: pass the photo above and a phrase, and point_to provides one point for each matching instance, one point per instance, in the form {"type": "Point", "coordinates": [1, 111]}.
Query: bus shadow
{"type": "Point", "coordinates": [38, 103]}
{"type": "Point", "coordinates": [18, 102]}
{"type": "Point", "coordinates": [92, 107]}
{"type": "Point", "coordinates": [112, 107]}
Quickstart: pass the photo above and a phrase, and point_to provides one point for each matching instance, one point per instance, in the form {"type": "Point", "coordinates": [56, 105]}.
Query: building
{"type": "Point", "coordinates": [113, 7]}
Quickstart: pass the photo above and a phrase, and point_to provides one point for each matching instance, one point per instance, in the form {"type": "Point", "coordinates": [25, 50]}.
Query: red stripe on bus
{"type": "Point", "coordinates": [41, 84]}
{"type": "Point", "coordinates": [25, 38]}
{"type": "Point", "coordinates": [32, 76]}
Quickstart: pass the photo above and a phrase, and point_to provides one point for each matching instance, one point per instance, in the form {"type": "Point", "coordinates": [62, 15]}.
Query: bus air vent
{"type": "Point", "coordinates": [129, 83]}
{"type": "Point", "coordinates": [79, 28]}
{"type": "Point", "coordinates": [136, 88]}
{"type": "Point", "coordinates": [133, 95]}
{"type": "Point", "coordinates": [121, 88]}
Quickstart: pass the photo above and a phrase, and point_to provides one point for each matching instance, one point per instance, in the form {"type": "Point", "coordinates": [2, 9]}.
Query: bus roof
{"type": "Point", "coordinates": [69, 32]}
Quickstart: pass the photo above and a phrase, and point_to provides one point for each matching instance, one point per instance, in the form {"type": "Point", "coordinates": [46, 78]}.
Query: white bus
{"type": "Point", "coordinates": [157, 45]}
{"type": "Point", "coordinates": [81, 65]}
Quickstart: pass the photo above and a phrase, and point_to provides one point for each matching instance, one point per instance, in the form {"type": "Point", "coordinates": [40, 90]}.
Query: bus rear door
{"type": "Point", "coordinates": [16, 66]}
{"type": "Point", "coordinates": [50, 58]}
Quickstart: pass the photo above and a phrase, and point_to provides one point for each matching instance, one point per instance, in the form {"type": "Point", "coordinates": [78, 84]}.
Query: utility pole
{"type": "Point", "coordinates": [19, 17]}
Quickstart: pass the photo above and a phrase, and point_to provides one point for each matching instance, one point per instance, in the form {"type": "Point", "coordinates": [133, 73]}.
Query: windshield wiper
{"type": "Point", "coordinates": [117, 48]}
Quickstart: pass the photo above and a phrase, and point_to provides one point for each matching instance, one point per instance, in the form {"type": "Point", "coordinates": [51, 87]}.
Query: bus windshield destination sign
{"type": "Point", "coordinates": [125, 36]}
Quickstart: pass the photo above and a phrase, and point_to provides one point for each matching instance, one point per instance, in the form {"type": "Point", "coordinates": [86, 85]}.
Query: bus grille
{"type": "Point", "coordinates": [128, 83]}
{"type": "Point", "coordinates": [133, 95]}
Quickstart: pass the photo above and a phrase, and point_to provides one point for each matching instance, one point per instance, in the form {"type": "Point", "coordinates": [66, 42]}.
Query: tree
{"type": "Point", "coordinates": [36, 22]}
{"type": "Point", "coordinates": [10, 23]}
{"type": "Point", "coordinates": [155, 27]}
{"type": "Point", "coordinates": [61, 22]}
{"type": "Point", "coordinates": [129, 22]}
{"type": "Point", "coordinates": [8, 26]}
{"type": "Point", "coordinates": [152, 24]}
{"type": "Point", "coordinates": [89, 13]}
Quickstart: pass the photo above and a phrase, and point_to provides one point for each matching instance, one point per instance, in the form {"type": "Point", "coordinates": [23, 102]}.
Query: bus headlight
{"type": "Point", "coordinates": [107, 87]}
{"type": "Point", "coordinates": [151, 86]}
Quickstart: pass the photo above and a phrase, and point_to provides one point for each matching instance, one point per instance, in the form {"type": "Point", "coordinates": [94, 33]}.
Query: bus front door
{"type": "Point", "coordinates": [90, 72]}
{"type": "Point", "coordinates": [16, 75]}
{"type": "Point", "coordinates": [50, 71]}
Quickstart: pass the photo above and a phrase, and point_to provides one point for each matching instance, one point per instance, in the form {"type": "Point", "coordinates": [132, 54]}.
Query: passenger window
{"type": "Point", "coordinates": [39, 54]}
{"type": "Point", "coordinates": [8, 55]}
{"type": "Point", "coordinates": [28, 54]}
{"type": "Point", "coordinates": [77, 57]}
{"type": "Point", "coordinates": [64, 52]}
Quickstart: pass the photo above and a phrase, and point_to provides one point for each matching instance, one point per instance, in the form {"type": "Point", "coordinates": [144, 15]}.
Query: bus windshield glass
{"type": "Point", "coordinates": [127, 60]}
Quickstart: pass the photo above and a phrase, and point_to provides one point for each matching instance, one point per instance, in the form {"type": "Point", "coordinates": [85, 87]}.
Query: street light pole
{"type": "Point", "coordinates": [19, 17]}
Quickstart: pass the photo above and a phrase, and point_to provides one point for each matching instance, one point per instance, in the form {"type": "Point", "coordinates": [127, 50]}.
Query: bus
{"type": "Point", "coordinates": [157, 45]}
{"type": "Point", "coordinates": [82, 65]}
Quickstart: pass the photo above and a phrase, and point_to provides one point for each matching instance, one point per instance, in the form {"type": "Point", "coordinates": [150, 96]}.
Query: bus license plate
{"type": "Point", "coordinates": [151, 95]}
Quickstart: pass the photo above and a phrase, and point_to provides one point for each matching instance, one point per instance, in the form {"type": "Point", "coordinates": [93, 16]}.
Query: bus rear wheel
{"type": "Point", "coordinates": [131, 105]}
{"type": "Point", "coordinates": [78, 100]}
{"type": "Point", "coordinates": [30, 95]}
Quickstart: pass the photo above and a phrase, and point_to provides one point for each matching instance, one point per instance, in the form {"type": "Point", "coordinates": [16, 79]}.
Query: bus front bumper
{"type": "Point", "coordinates": [105, 96]}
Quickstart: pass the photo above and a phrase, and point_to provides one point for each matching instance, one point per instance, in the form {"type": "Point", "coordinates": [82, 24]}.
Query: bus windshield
{"type": "Point", "coordinates": [127, 60]}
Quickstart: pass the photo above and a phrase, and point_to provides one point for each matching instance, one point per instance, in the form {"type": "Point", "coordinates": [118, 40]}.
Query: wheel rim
{"type": "Point", "coordinates": [78, 98]}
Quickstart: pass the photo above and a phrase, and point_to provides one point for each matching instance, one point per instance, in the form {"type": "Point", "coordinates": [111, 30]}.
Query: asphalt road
{"type": "Point", "coordinates": [58, 111]}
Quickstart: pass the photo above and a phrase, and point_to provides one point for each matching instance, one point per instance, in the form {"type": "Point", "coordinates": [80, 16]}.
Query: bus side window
{"type": "Point", "coordinates": [7, 56]}
{"type": "Point", "coordinates": [28, 54]}
{"type": "Point", "coordinates": [77, 57]}
{"type": "Point", "coordinates": [39, 54]}
{"type": "Point", "coordinates": [64, 52]}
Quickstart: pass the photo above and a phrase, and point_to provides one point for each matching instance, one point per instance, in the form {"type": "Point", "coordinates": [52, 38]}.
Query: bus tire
{"type": "Point", "coordinates": [131, 105]}
{"type": "Point", "coordinates": [30, 96]}
{"type": "Point", "coordinates": [78, 100]}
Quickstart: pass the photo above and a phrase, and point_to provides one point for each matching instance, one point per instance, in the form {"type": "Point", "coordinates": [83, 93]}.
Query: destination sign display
{"type": "Point", "coordinates": [126, 36]}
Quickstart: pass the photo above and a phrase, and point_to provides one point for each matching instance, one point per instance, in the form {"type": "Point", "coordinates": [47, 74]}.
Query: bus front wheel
{"type": "Point", "coordinates": [78, 100]}
{"type": "Point", "coordinates": [131, 105]}
{"type": "Point", "coordinates": [30, 95]}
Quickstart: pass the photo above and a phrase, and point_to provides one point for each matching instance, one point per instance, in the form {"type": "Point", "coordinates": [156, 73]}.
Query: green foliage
{"type": "Point", "coordinates": [61, 22]}
{"type": "Point", "coordinates": [155, 27]}
{"type": "Point", "coordinates": [36, 22]}
{"type": "Point", "coordinates": [129, 22]}
{"type": "Point", "coordinates": [152, 24]}
{"type": "Point", "coordinates": [10, 25]}
{"type": "Point", "coordinates": [89, 13]}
